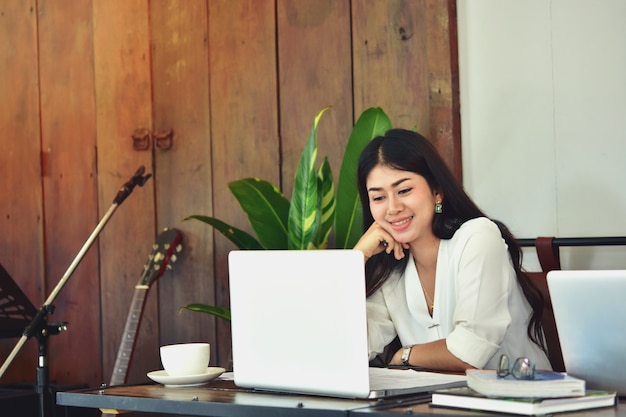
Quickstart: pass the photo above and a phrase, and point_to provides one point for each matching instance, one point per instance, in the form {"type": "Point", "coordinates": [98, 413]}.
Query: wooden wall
{"type": "Point", "coordinates": [239, 83]}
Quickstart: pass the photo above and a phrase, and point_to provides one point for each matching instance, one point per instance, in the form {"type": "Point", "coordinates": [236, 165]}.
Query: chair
{"type": "Point", "coordinates": [549, 260]}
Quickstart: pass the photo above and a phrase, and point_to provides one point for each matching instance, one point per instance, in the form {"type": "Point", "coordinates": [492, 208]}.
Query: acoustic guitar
{"type": "Point", "coordinates": [164, 253]}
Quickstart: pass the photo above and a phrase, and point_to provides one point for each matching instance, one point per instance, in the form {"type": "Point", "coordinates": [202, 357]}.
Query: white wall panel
{"type": "Point", "coordinates": [543, 100]}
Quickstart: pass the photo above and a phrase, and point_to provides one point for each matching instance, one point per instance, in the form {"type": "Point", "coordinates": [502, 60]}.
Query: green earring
{"type": "Point", "coordinates": [438, 207]}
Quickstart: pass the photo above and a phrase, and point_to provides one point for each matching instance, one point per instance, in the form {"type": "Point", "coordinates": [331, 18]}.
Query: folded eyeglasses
{"type": "Point", "coordinates": [522, 368]}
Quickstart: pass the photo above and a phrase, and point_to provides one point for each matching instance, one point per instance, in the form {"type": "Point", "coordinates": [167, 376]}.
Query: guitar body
{"type": "Point", "coordinates": [164, 253]}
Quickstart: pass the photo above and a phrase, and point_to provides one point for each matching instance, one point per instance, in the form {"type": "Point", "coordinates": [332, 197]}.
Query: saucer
{"type": "Point", "coordinates": [180, 381]}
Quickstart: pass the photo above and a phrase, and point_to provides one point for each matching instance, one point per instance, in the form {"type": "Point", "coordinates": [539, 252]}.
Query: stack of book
{"type": "Point", "coordinates": [549, 392]}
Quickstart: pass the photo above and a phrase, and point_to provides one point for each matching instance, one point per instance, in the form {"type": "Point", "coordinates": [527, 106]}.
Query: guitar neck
{"type": "Point", "coordinates": [164, 251]}
{"type": "Point", "coordinates": [127, 344]}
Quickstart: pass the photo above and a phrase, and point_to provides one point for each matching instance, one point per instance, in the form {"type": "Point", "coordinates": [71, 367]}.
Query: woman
{"type": "Point", "coordinates": [441, 276]}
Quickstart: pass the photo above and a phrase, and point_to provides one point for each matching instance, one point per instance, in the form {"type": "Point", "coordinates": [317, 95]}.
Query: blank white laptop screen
{"type": "Point", "coordinates": [590, 312]}
{"type": "Point", "coordinates": [299, 324]}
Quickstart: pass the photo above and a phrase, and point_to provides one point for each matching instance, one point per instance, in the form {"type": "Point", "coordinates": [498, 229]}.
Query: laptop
{"type": "Point", "coordinates": [589, 310]}
{"type": "Point", "coordinates": [299, 325]}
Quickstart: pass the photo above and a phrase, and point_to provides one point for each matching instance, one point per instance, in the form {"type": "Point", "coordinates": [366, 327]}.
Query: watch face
{"type": "Point", "coordinates": [405, 355]}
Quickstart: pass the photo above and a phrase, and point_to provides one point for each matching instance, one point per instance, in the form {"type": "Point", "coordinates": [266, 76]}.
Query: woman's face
{"type": "Point", "coordinates": [402, 202]}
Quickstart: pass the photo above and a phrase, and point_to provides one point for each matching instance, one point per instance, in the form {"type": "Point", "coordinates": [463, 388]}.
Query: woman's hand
{"type": "Point", "coordinates": [376, 239]}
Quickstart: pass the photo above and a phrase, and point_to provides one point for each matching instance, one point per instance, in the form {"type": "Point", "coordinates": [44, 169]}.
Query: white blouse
{"type": "Point", "coordinates": [479, 307]}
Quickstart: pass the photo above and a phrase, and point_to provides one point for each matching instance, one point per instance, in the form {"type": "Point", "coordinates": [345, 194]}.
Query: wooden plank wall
{"type": "Point", "coordinates": [123, 95]}
{"type": "Point", "coordinates": [239, 83]}
{"type": "Point", "coordinates": [69, 177]}
{"type": "Point", "coordinates": [21, 219]}
{"type": "Point", "coordinates": [180, 62]}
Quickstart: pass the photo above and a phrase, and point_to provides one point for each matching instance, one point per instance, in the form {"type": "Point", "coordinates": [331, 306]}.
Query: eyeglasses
{"type": "Point", "coordinates": [522, 368]}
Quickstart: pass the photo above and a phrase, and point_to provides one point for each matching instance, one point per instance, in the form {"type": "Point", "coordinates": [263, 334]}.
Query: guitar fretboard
{"type": "Point", "coordinates": [127, 343]}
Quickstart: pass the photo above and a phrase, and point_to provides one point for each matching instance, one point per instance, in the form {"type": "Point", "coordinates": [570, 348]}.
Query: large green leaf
{"type": "Point", "coordinates": [349, 214]}
{"type": "Point", "coordinates": [267, 210]}
{"type": "Point", "coordinates": [327, 204]}
{"type": "Point", "coordinates": [241, 239]}
{"type": "Point", "coordinates": [304, 213]}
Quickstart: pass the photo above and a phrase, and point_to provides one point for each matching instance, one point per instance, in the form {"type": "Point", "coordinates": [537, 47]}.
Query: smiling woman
{"type": "Point", "coordinates": [442, 277]}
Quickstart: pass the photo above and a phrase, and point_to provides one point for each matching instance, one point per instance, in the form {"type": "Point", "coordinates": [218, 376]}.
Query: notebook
{"type": "Point", "coordinates": [299, 325]}
{"type": "Point", "coordinates": [589, 310]}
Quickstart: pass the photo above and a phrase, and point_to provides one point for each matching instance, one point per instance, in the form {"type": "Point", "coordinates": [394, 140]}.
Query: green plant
{"type": "Point", "coordinates": [307, 221]}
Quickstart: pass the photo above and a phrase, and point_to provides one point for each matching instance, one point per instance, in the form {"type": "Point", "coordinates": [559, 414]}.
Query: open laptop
{"type": "Point", "coordinates": [589, 310]}
{"type": "Point", "coordinates": [299, 325]}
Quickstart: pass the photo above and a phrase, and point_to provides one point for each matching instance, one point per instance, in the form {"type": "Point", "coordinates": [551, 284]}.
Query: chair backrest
{"type": "Point", "coordinates": [549, 260]}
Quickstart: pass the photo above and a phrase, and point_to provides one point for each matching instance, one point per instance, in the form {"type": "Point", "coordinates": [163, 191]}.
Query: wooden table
{"type": "Point", "coordinates": [223, 399]}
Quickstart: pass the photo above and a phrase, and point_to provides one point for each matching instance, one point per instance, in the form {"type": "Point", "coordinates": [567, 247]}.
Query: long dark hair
{"type": "Point", "coordinates": [409, 151]}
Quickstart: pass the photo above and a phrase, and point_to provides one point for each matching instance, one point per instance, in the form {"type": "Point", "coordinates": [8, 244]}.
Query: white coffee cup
{"type": "Point", "coordinates": [185, 358]}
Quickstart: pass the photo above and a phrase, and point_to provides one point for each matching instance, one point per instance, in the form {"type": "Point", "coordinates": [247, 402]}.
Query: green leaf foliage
{"type": "Point", "coordinates": [204, 308]}
{"type": "Point", "coordinates": [267, 210]}
{"type": "Point", "coordinates": [304, 213]}
{"type": "Point", "coordinates": [349, 214]}
{"type": "Point", "coordinates": [327, 204]}
{"type": "Point", "coordinates": [241, 239]}
{"type": "Point", "coordinates": [307, 221]}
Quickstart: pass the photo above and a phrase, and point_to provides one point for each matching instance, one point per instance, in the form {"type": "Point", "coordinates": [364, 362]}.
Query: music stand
{"type": "Point", "coordinates": [16, 313]}
{"type": "Point", "coordinates": [16, 310]}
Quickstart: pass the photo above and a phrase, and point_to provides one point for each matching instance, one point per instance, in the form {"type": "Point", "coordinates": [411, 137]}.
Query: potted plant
{"type": "Point", "coordinates": [305, 222]}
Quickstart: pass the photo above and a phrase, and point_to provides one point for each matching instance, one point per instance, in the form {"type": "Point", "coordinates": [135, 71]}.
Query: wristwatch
{"type": "Point", "coordinates": [406, 353]}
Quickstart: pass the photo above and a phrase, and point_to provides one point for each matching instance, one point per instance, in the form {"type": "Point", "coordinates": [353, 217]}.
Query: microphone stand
{"type": "Point", "coordinates": [39, 327]}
